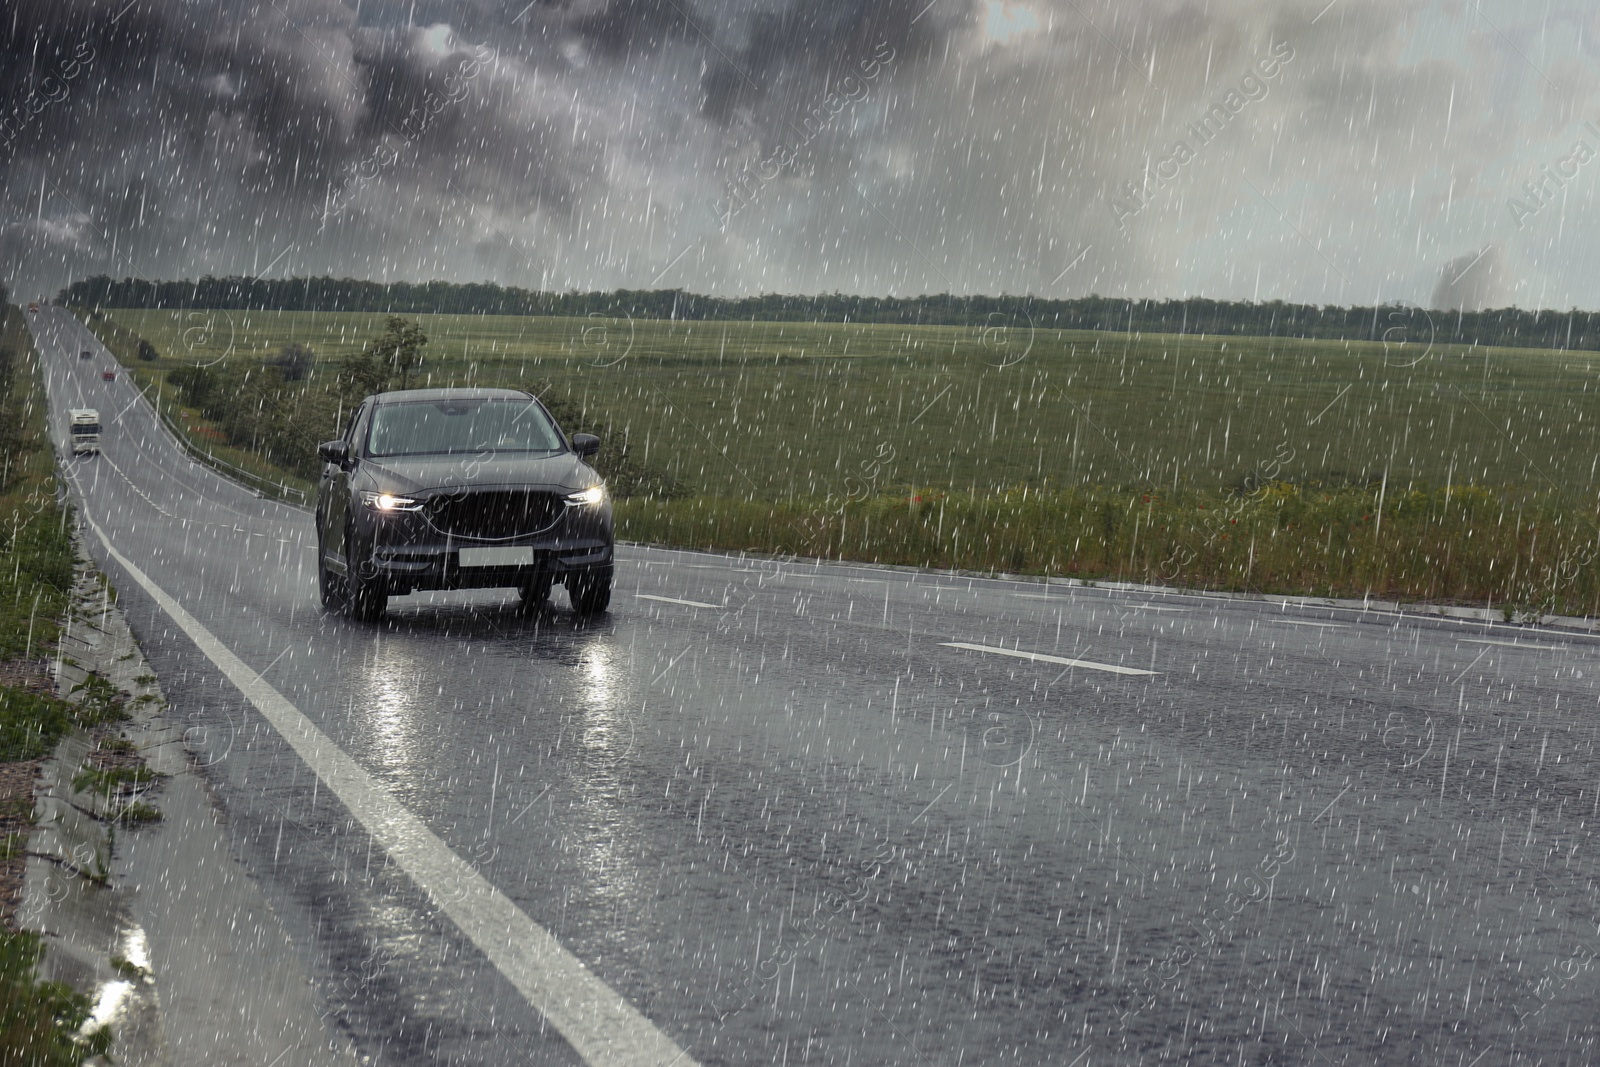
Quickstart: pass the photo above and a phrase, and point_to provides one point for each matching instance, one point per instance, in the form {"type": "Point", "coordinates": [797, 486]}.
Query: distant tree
{"type": "Point", "coordinates": [147, 351]}
{"type": "Point", "coordinates": [294, 361]}
{"type": "Point", "coordinates": [396, 351]}
{"type": "Point", "coordinates": [362, 375]}
{"type": "Point", "coordinates": [399, 348]}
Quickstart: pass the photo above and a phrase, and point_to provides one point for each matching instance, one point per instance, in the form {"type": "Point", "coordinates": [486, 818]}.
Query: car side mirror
{"type": "Point", "coordinates": [336, 452]}
{"type": "Point", "coordinates": [585, 444]}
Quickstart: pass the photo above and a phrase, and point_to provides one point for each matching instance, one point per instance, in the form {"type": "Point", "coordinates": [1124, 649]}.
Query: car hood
{"type": "Point", "coordinates": [415, 474]}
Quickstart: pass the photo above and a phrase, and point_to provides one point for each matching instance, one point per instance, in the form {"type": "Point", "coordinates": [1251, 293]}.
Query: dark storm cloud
{"type": "Point", "coordinates": [812, 43]}
{"type": "Point", "coordinates": [627, 27]}
{"type": "Point", "coordinates": [593, 140]}
{"type": "Point", "coordinates": [205, 119]}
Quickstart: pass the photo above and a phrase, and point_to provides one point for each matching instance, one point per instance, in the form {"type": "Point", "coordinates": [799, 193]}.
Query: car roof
{"type": "Point", "coordinates": [405, 396]}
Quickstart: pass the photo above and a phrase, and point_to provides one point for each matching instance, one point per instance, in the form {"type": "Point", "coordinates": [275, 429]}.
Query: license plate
{"type": "Point", "coordinates": [496, 557]}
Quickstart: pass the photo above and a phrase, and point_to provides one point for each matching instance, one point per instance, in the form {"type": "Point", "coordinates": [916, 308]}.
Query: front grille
{"type": "Point", "coordinates": [494, 514]}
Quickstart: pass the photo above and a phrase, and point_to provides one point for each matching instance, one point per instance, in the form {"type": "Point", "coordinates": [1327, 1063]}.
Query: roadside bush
{"type": "Point", "coordinates": [147, 351]}
{"type": "Point", "coordinates": [39, 1021]}
{"type": "Point", "coordinates": [294, 361]}
{"type": "Point", "coordinates": [194, 384]}
{"type": "Point", "coordinates": [31, 724]}
{"type": "Point", "coordinates": [33, 535]}
{"type": "Point", "coordinates": [258, 410]}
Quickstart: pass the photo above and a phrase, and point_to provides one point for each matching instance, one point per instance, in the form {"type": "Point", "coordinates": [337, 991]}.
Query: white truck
{"type": "Point", "coordinates": [85, 430]}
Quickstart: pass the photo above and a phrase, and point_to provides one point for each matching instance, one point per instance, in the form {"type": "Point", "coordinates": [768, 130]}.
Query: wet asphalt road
{"type": "Point", "coordinates": [773, 808]}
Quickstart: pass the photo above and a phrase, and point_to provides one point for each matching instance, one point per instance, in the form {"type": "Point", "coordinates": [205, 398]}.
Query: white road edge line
{"type": "Point", "coordinates": [1307, 622]}
{"type": "Point", "coordinates": [1512, 644]}
{"type": "Point", "coordinates": [1042, 658]}
{"type": "Point", "coordinates": [596, 1021]}
{"type": "Point", "coordinates": [675, 600]}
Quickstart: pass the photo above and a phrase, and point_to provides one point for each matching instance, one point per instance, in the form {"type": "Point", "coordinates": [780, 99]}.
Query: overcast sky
{"type": "Point", "coordinates": [1364, 150]}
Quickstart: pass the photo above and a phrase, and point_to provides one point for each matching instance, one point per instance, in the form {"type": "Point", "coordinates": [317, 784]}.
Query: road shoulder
{"type": "Point", "coordinates": [182, 954]}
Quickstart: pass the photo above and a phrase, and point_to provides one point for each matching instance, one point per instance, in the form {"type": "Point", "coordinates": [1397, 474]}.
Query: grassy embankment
{"type": "Point", "coordinates": [203, 435]}
{"type": "Point", "coordinates": [1309, 467]}
{"type": "Point", "coordinates": [38, 1021]}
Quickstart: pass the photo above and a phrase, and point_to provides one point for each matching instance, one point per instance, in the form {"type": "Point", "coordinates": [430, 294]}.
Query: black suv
{"type": "Point", "coordinates": [460, 489]}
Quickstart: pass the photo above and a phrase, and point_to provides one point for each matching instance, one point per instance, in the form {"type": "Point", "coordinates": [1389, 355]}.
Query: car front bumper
{"type": "Point", "coordinates": [409, 567]}
{"type": "Point", "coordinates": [416, 549]}
{"type": "Point", "coordinates": [408, 553]}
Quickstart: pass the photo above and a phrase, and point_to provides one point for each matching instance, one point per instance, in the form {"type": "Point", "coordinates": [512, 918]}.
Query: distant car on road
{"type": "Point", "coordinates": [108, 375]}
{"type": "Point", "coordinates": [33, 308]}
{"type": "Point", "coordinates": [85, 354]}
{"type": "Point", "coordinates": [460, 489]}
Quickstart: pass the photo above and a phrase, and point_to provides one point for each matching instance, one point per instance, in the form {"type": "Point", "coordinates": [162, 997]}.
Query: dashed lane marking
{"type": "Point", "coordinates": [1063, 598]}
{"type": "Point", "coordinates": [675, 600]}
{"type": "Point", "coordinates": [596, 1021]}
{"type": "Point", "coordinates": [1040, 657]}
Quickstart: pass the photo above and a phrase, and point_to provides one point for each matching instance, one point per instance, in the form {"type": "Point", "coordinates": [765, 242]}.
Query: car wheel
{"type": "Point", "coordinates": [330, 586]}
{"type": "Point", "coordinates": [366, 594]}
{"type": "Point", "coordinates": [590, 591]}
{"type": "Point", "coordinates": [535, 592]}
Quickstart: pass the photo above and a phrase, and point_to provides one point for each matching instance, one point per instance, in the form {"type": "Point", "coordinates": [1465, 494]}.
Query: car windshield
{"type": "Point", "coordinates": [434, 427]}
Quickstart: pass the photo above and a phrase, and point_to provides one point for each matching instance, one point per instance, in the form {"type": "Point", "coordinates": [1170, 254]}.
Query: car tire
{"type": "Point", "coordinates": [590, 591]}
{"type": "Point", "coordinates": [535, 593]}
{"type": "Point", "coordinates": [366, 594]}
{"type": "Point", "coordinates": [330, 586]}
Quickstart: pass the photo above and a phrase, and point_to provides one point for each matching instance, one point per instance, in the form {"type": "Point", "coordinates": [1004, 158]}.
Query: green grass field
{"type": "Point", "coordinates": [1308, 467]}
{"type": "Point", "coordinates": [785, 410]}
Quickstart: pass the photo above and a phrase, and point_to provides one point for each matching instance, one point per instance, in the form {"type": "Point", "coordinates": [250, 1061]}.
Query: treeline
{"type": "Point", "coordinates": [1510, 326]}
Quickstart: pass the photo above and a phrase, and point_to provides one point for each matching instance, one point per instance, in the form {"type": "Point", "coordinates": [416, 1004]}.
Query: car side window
{"type": "Point", "coordinates": [350, 423]}
{"type": "Point", "coordinates": [358, 428]}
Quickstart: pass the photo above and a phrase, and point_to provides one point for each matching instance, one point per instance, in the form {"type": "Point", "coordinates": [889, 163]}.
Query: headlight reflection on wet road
{"type": "Point", "coordinates": [387, 705]}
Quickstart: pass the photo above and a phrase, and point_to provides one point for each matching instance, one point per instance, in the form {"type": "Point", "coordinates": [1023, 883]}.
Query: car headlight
{"type": "Point", "coordinates": [595, 494]}
{"type": "Point", "coordinates": [389, 502]}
